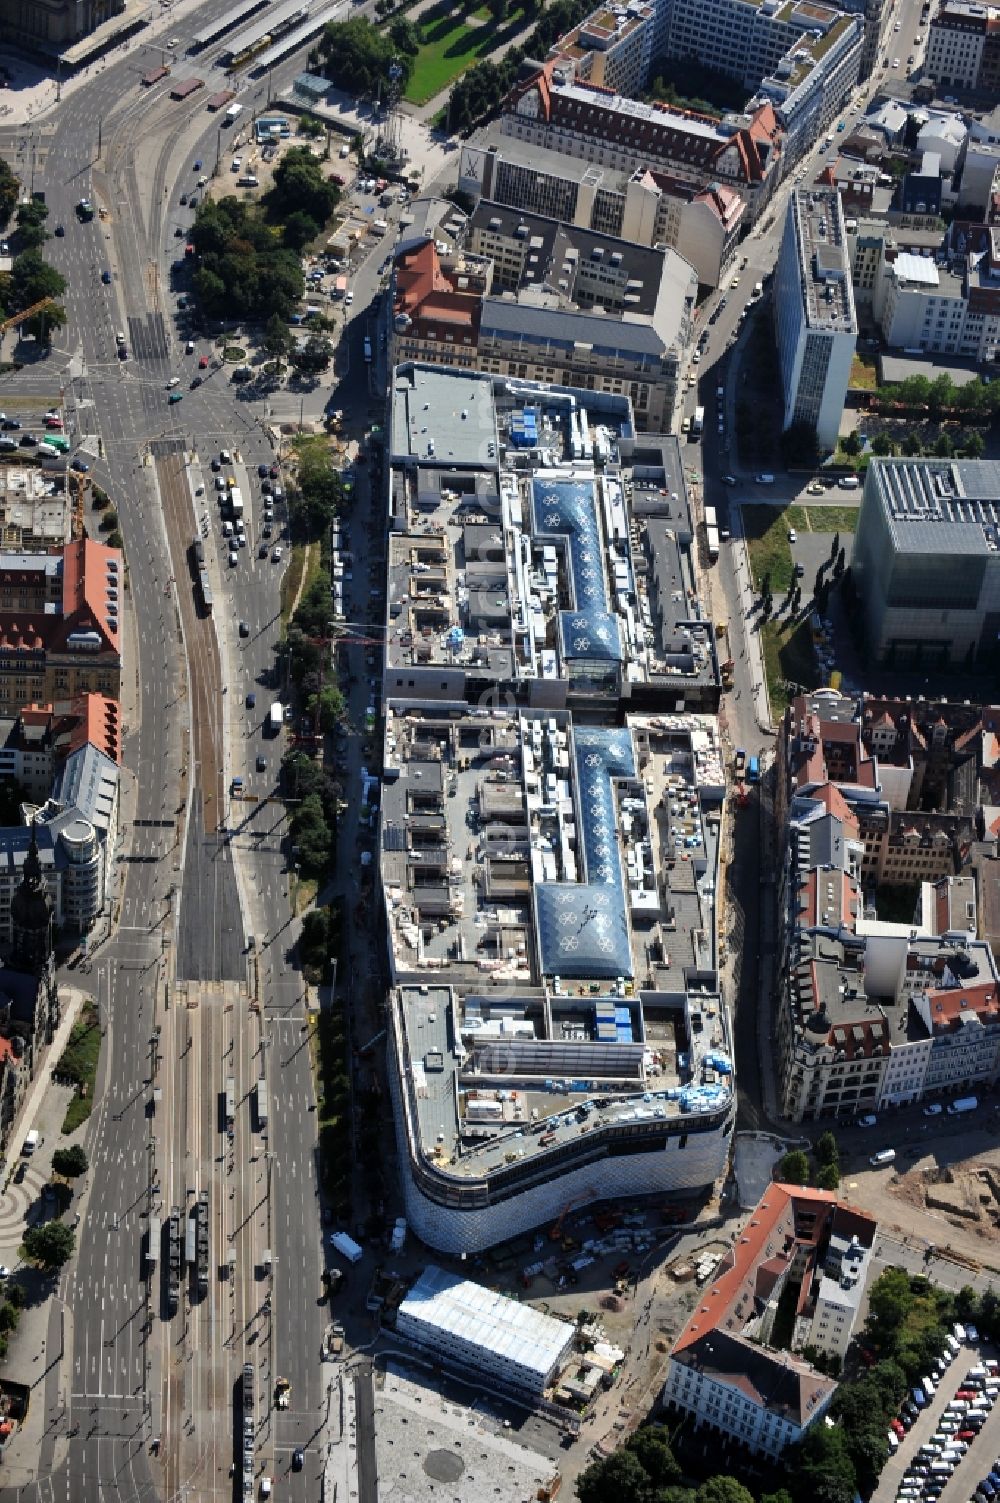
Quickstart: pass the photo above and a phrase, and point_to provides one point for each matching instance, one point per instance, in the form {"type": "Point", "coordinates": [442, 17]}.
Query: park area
{"type": "Point", "coordinates": [790, 660]}
{"type": "Point", "coordinates": [451, 39]}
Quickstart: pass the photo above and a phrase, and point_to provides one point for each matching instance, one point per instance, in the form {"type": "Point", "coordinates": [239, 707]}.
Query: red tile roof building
{"type": "Point", "coordinates": [802, 1251]}
{"type": "Point", "coordinates": [60, 615]}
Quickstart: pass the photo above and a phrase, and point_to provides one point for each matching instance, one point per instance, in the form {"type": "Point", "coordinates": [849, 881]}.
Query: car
{"type": "Point", "coordinates": [80, 465]}
{"type": "Point", "coordinates": [848, 482]}
{"type": "Point", "coordinates": [174, 42]}
{"type": "Point", "coordinates": [251, 700]}
{"type": "Point", "coordinates": [225, 456]}
{"type": "Point", "coordinates": [123, 352]}
{"type": "Point", "coordinates": [10, 425]}
{"type": "Point", "coordinates": [729, 479]}
{"type": "Point", "coordinates": [197, 166]}
{"type": "Point", "coordinates": [764, 478]}
{"type": "Point", "coordinates": [60, 230]}
{"type": "Point", "coordinates": [735, 282]}
{"type": "Point", "coordinates": [934, 1110]}
{"type": "Point", "coordinates": [189, 347]}
{"type": "Point", "coordinates": [54, 424]}
{"type": "Point", "coordinates": [203, 362]}
{"type": "Point", "coordinates": [815, 488]}
{"type": "Point", "coordinates": [276, 556]}
{"type": "Point", "coordinates": [261, 762]}
{"type": "Point", "coordinates": [266, 488]}
{"type": "Point", "coordinates": [696, 357]}
{"type": "Point", "coordinates": [178, 232]}
{"type": "Point", "coordinates": [895, 62]}
{"type": "Point", "coordinates": [193, 201]}
{"type": "Point", "coordinates": [183, 198]}
{"type": "Point", "coordinates": [866, 1121]}
{"type": "Point", "coordinates": [793, 536]}
{"type": "Point", "coordinates": [216, 465]}
{"type": "Point", "coordinates": [800, 570]}
{"type": "Point", "coordinates": [298, 1459]}
{"type": "Point", "coordinates": [244, 628]}
{"type": "Point", "coordinates": [174, 381]}
{"type": "Point", "coordinates": [971, 1334]}
{"type": "Point", "coordinates": [262, 471]}
{"type": "Point", "coordinates": [262, 549]}
{"type": "Point", "coordinates": [176, 396]}
{"type": "Point", "coordinates": [234, 557]}
{"type": "Point", "coordinates": [106, 278]}
{"type": "Point", "coordinates": [28, 440]}
{"type": "Point", "coordinates": [195, 382]}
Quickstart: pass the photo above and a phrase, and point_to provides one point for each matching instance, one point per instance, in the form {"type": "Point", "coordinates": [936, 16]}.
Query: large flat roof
{"type": "Point", "coordinates": [939, 506]}
{"type": "Point", "coordinates": [501, 1326]}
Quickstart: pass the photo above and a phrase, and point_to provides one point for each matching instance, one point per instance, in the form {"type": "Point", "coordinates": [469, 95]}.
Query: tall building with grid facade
{"type": "Point", "coordinates": [814, 314]}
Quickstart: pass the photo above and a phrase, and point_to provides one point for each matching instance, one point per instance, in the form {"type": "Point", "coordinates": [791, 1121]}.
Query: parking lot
{"type": "Point", "coordinates": [899, 1480]}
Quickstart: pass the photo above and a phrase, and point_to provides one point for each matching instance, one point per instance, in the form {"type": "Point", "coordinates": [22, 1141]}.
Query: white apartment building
{"type": "Point", "coordinates": [942, 307]}
{"type": "Point", "coordinates": [814, 313]}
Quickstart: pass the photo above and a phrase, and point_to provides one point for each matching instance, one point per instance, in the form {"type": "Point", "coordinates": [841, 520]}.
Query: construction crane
{"type": "Point", "coordinates": [20, 318]}
{"type": "Point", "coordinates": [555, 1230]}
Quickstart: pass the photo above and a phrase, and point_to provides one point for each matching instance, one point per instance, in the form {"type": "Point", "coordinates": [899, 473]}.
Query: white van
{"type": "Point", "coordinates": [878, 1161]}
{"type": "Point", "coordinates": [31, 1142]}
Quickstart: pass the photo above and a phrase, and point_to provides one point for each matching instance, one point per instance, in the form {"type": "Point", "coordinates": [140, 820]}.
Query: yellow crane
{"type": "Point", "coordinates": [20, 318]}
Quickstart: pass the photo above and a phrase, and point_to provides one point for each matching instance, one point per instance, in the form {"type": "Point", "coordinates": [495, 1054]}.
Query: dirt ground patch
{"type": "Point", "coordinates": [967, 1194]}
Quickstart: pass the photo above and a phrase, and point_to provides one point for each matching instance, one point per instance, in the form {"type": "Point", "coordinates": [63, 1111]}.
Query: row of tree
{"type": "Point", "coordinates": [249, 255]}
{"type": "Point", "coordinates": [480, 90]}
{"type": "Point", "coordinates": [939, 398]}
{"type": "Point", "coordinates": [31, 279]}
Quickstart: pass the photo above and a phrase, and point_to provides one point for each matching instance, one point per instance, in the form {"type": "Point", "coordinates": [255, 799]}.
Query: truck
{"type": "Point", "coordinates": [347, 1247]}
{"type": "Point", "coordinates": [340, 287]}
{"type": "Point", "coordinates": [231, 114]}
{"type": "Point", "coordinates": [962, 1104]}
{"type": "Point", "coordinates": [275, 718]}
{"type": "Point", "coordinates": [333, 1342]}
{"type": "Point", "coordinates": [153, 1244]}
{"type": "Point", "coordinates": [698, 421]}
{"type": "Point", "coordinates": [236, 501]}
{"type": "Point", "coordinates": [261, 1104]}
{"type": "Point", "coordinates": [32, 1138]}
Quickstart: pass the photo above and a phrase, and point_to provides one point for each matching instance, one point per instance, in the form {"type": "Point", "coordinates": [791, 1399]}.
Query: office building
{"type": "Point", "coordinates": [35, 742]}
{"type": "Point", "coordinates": [612, 49]}
{"type": "Point", "coordinates": [439, 314]}
{"type": "Point", "coordinates": [482, 1335]}
{"type": "Point", "coordinates": [814, 313]}
{"type": "Point", "coordinates": [963, 46]}
{"type": "Point", "coordinates": [644, 208]}
{"type": "Point", "coordinates": [723, 1373]}
{"type": "Point", "coordinates": [926, 561]}
{"type": "Point", "coordinates": [610, 131]}
{"type": "Point", "coordinates": [60, 624]}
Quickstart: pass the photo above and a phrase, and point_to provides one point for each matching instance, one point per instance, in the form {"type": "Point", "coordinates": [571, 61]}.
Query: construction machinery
{"type": "Point", "coordinates": [26, 313]}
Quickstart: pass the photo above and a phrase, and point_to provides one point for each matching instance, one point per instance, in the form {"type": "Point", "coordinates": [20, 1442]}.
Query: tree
{"type": "Point", "coordinates": [299, 229]}
{"type": "Point", "coordinates": [314, 939]}
{"type": "Point", "coordinates": [277, 337]}
{"type": "Point", "coordinates": [943, 447]}
{"type": "Point", "coordinates": [330, 706]}
{"type": "Point", "coordinates": [882, 444]}
{"type": "Point", "coordinates": [851, 443]}
{"type": "Point", "coordinates": [357, 57]}
{"type": "Point", "coordinates": [911, 444]}
{"type": "Point", "coordinates": [890, 1300]}
{"type": "Point", "coordinates": [405, 35]}
{"type": "Point", "coordinates": [9, 1317]}
{"type": "Point", "coordinates": [827, 1150]}
{"type": "Point", "coordinates": [31, 279]}
{"type": "Point", "coordinates": [828, 1177]}
{"type": "Point", "coordinates": [43, 324]}
{"type": "Point", "coordinates": [819, 1468]}
{"type": "Point", "coordinates": [651, 1445]}
{"type": "Point", "coordinates": [10, 187]}
{"type": "Point", "coordinates": [793, 1169]}
{"type": "Point", "coordinates": [311, 835]}
{"type": "Point", "coordinates": [974, 445]}
{"type": "Point", "coordinates": [314, 356]}
{"type": "Point", "coordinates": [723, 1490]}
{"type": "Point", "coordinates": [70, 1162]}
{"type": "Point", "coordinates": [619, 1477]}
{"type": "Point", "coordinates": [30, 218]}
{"type": "Point", "coordinates": [50, 1245]}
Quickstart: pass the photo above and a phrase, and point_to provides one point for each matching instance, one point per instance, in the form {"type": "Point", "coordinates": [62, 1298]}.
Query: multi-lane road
{"type": "Point", "coordinates": [142, 1403]}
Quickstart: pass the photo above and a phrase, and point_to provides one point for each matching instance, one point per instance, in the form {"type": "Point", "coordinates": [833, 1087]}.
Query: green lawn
{"type": "Point", "coordinates": [864, 372]}
{"type": "Point", "coordinates": [766, 530]}
{"type": "Point", "coordinates": [843, 519]}
{"type": "Point", "coordinates": [788, 657]}
{"type": "Point", "coordinates": [79, 1060]}
{"type": "Point", "coordinates": [450, 45]}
